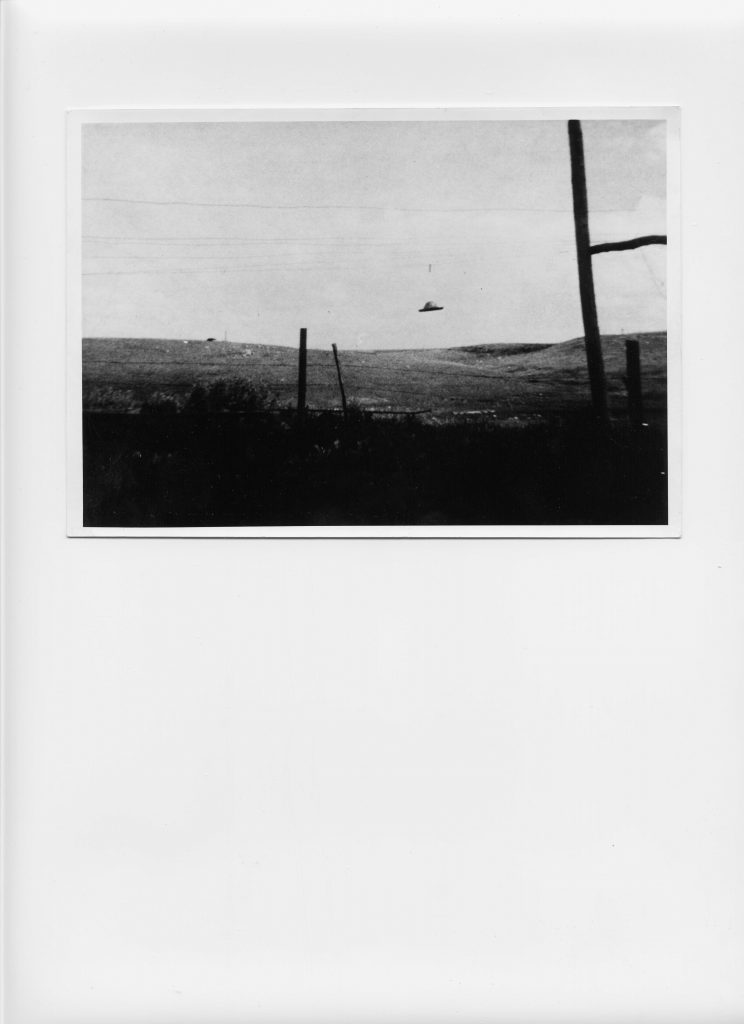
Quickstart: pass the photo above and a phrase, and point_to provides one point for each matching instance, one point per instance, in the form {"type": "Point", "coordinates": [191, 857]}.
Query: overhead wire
{"type": "Point", "coordinates": [338, 206]}
{"type": "Point", "coordinates": [656, 283]}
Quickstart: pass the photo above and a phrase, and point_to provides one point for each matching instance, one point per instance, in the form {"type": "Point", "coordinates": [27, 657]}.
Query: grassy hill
{"type": "Point", "coordinates": [121, 374]}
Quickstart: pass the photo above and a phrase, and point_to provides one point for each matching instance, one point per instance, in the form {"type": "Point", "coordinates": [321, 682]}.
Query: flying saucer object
{"type": "Point", "coordinates": [429, 307]}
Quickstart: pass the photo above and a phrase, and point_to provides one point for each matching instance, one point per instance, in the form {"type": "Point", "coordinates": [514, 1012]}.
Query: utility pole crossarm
{"type": "Point", "coordinates": [632, 243]}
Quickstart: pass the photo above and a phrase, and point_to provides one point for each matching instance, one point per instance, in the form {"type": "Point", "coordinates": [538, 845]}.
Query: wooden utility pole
{"type": "Point", "coordinates": [592, 341]}
{"type": "Point", "coordinates": [340, 379]}
{"type": "Point", "coordinates": [302, 377]}
{"type": "Point", "coordinates": [633, 378]}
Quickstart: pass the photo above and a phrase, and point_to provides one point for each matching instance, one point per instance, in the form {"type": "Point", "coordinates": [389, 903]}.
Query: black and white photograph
{"type": "Point", "coordinates": [448, 321]}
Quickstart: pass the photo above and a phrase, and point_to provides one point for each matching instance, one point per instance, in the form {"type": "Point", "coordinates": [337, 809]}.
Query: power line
{"type": "Point", "coordinates": [339, 248]}
{"type": "Point", "coordinates": [408, 258]}
{"type": "Point", "coordinates": [248, 240]}
{"type": "Point", "coordinates": [338, 206]}
{"type": "Point", "coordinates": [657, 285]}
{"type": "Point", "coordinates": [287, 268]}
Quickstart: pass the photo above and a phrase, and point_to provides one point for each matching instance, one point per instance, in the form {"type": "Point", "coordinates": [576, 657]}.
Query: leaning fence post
{"type": "Point", "coordinates": [340, 379]}
{"type": "Point", "coordinates": [633, 378]}
{"type": "Point", "coordinates": [592, 341]}
{"type": "Point", "coordinates": [302, 377]}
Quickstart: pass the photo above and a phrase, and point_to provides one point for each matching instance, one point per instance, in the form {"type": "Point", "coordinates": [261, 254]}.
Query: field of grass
{"type": "Point", "coordinates": [120, 375]}
{"type": "Point", "coordinates": [204, 434]}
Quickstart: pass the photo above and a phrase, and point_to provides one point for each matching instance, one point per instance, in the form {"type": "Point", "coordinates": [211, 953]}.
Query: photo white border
{"type": "Point", "coordinates": [75, 121]}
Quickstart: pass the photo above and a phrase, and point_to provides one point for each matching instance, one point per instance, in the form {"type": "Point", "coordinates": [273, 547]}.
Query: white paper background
{"type": "Point", "coordinates": [376, 780]}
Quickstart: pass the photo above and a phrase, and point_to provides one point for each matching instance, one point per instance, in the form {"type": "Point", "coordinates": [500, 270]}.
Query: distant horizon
{"type": "Point", "coordinates": [342, 348]}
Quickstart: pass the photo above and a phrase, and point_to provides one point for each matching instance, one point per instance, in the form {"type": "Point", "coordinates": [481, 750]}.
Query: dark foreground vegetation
{"type": "Point", "coordinates": [226, 458]}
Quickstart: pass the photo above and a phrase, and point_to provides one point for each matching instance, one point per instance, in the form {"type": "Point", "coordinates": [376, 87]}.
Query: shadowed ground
{"type": "Point", "coordinates": [199, 434]}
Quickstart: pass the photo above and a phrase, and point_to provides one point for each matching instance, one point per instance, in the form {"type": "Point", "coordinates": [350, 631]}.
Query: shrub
{"type": "Point", "coordinates": [160, 404]}
{"type": "Point", "coordinates": [233, 396]}
{"type": "Point", "coordinates": [97, 398]}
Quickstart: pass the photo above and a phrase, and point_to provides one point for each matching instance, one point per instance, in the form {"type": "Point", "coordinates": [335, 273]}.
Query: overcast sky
{"type": "Point", "coordinates": [347, 228]}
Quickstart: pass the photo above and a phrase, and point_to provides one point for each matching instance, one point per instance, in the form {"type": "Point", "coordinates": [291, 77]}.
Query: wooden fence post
{"type": "Point", "coordinates": [302, 378]}
{"type": "Point", "coordinates": [592, 341]}
{"type": "Point", "coordinates": [633, 378]}
{"type": "Point", "coordinates": [340, 380]}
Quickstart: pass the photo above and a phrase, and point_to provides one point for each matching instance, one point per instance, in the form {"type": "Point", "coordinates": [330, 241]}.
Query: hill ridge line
{"type": "Point", "coordinates": [489, 347]}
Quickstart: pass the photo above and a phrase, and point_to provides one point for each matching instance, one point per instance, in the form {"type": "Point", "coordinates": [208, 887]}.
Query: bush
{"type": "Point", "coordinates": [160, 404]}
{"type": "Point", "coordinates": [228, 396]}
{"type": "Point", "coordinates": [107, 399]}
